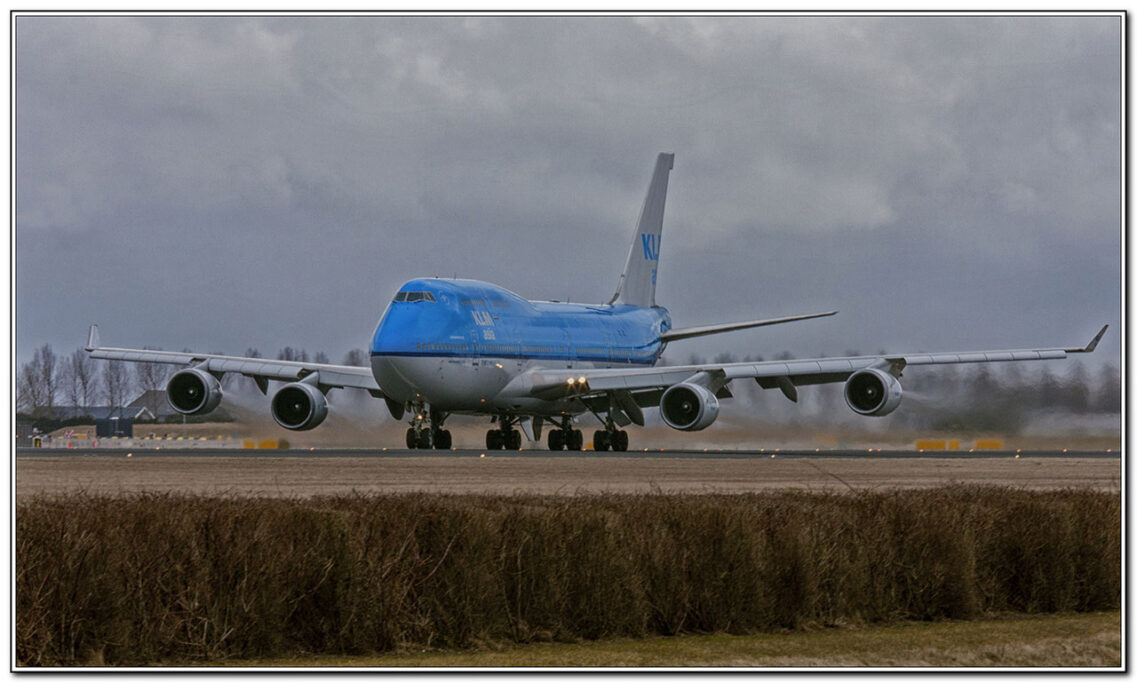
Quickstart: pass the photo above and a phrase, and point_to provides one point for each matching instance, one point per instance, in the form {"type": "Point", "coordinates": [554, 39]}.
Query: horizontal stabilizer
{"type": "Point", "coordinates": [687, 332]}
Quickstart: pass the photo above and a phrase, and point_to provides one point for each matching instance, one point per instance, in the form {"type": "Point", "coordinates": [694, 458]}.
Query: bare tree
{"type": "Point", "coordinates": [151, 377]}
{"type": "Point", "coordinates": [289, 353]}
{"type": "Point", "coordinates": [29, 389]}
{"type": "Point", "coordinates": [356, 357]}
{"type": "Point", "coordinates": [116, 381]}
{"type": "Point", "coordinates": [38, 383]}
{"type": "Point", "coordinates": [79, 372]}
{"type": "Point", "coordinates": [1109, 390]}
{"type": "Point", "coordinates": [49, 376]}
{"type": "Point", "coordinates": [321, 357]}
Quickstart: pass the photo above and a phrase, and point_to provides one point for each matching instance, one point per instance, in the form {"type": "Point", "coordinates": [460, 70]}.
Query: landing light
{"type": "Point", "coordinates": [571, 381]}
{"type": "Point", "coordinates": [581, 380]}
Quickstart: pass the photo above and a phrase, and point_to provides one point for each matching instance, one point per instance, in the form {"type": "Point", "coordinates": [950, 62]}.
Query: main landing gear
{"type": "Point", "coordinates": [616, 439]}
{"type": "Point", "coordinates": [611, 436]}
{"type": "Point", "coordinates": [504, 437]}
{"type": "Point", "coordinates": [426, 429]}
{"type": "Point", "coordinates": [566, 437]}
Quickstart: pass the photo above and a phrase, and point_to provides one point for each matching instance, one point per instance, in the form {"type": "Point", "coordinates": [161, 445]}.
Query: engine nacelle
{"type": "Point", "coordinates": [872, 392]}
{"type": "Point", "coordinates": [193, 392]}
{"type": "Point", "coordinates": [688, 407]}
{"type": "Point", "coordinates": [299, 406]}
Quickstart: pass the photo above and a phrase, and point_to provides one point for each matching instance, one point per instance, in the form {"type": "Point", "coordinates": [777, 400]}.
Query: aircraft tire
{"type": "Point", "coordinates": [600, 440]}
{"type": "Point", "coordinates": [442, 439]}
{"type": "Point", "coordinates": [513, 440]}
{"type": "Point", "coordinates": [556, 440]}
{"type": "Point", "coordinates": [620, 440]}
{"type": "Point", "coordinates": [493, 440]}
{"type": "Point", "coordinates": [424, 439]}
{"type": "Point", "coordinates": [575, 439]}
{"type": "Point", "coordinates": [412, 440]}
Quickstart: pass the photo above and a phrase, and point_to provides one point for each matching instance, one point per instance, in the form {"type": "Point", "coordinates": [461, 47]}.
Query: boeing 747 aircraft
{"type": "Point", "coordinates": [446, 347]}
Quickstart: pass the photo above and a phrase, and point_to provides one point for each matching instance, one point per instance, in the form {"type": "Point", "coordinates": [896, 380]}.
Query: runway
{"type": "Point", "coordinates": [300, 473]}
{"type": "Point", "coordinates": [541, 453]}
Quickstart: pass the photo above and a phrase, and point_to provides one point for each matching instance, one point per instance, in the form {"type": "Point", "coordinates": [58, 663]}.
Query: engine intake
{"type": "Point", "coordinates": [299, 406]}
{"type": "Point", "coordinates": [193, 392]}
{"type": "Point", "coordinates": [872, 392]}
{"type": "Point", "coordinates": [688, 407]}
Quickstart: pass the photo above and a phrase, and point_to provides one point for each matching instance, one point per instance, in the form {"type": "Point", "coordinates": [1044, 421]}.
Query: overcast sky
{"type": "Point", "coordinates": [226, 182]}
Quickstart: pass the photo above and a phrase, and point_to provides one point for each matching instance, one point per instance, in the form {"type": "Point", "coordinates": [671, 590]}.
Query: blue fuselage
{"type": "Point", "coordinates": [454, 344]}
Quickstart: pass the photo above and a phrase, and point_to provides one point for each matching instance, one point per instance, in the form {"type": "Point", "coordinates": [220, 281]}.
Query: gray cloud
{"type": "Point", "coordinates": [218, 183]}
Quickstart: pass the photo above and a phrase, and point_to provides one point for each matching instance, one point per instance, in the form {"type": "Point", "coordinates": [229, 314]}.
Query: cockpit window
{"type": "Point", "coordinates": [414, 296]}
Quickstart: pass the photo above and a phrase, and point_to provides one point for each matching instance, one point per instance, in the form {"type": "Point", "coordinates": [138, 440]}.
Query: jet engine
{"type": "Point", "coordinates": [872, 392]}
{"type": "Point", "coordinates": [299, 406]}
{"type": "Point", "coordinates": [688, 407]}
{"type": "Point", "coordinates": [193, 391]}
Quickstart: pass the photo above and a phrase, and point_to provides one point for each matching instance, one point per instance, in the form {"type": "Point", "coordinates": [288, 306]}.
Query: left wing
{"type": "Point", "coordinates": [785, 375]}
{"type": "Point", "coordinates": [260, 369]}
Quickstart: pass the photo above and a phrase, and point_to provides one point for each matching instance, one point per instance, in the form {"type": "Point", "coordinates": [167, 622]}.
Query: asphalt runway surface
{"type": "Point", "coordinates": [300, 473]}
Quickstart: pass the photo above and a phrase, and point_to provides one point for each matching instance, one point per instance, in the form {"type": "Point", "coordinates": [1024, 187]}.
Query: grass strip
{"type": "Point", "coordinates": [1049, 640]}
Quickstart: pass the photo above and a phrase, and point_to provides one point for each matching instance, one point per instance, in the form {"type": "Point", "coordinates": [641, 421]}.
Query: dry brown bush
{"type": "Point", "coordinates": [176, 578]}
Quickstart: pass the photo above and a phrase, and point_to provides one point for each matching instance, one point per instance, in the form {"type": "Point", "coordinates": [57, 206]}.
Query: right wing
{"type": "Point", "coordinates": [260, 369]}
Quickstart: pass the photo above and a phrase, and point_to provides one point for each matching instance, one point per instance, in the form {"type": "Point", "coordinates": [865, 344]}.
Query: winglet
{"type": "Point", "coordinates": [93, 338]}
{"type": "Point", "coordinates": [1093, 343]}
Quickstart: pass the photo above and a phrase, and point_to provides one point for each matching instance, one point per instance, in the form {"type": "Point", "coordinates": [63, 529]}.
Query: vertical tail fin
{"type": "Point", "coordinates": [637, 282]}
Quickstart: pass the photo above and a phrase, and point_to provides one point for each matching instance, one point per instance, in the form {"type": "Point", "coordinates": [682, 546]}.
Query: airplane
{"type": "Point", "coordinates": [453, 346]}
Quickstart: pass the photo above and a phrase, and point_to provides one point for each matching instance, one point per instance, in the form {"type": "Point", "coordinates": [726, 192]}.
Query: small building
{"type": "Point", "coordinates": [155, 402]}
{"type": "Point", "coordinates": [114, 426]}
{"type": "Point", "coordinates": [158, 408]}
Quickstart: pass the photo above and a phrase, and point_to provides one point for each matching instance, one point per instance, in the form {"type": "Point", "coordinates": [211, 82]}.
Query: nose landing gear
{"type": "Point", "coordinates": [426, 429]}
